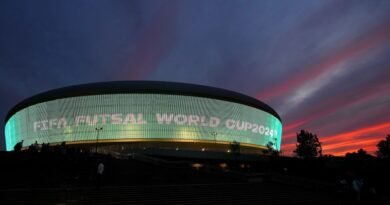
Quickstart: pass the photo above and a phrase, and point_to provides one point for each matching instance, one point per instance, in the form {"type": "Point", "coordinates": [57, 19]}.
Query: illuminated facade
{"type": "Point", "coordinates": [146, 114]}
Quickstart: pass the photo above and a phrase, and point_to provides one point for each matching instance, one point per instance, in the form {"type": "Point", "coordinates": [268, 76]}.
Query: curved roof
{"type": "Point", "coordinates": [157, 87]}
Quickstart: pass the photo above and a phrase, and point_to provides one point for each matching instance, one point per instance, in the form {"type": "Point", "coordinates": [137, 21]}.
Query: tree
{"type": "Point", "coordinates": [308, 145]}
{"type": "Point", "coordinates": [18, 146]}
{"type": "Point", "coordinates": [360, 154]}
{"type": "Point", "coordinates": [384, 148]}
{"type": "Point", "coordinates": [270, 150]}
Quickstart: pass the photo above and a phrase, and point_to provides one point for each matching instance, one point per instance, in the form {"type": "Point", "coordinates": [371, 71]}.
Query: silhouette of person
{"type": "Point", "coordinates": [100, 171]}
{"type": "Point", "coordinates": [357, 186]}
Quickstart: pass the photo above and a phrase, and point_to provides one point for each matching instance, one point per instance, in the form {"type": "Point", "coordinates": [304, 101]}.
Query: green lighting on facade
{"type": "Point", "coordinates": [141, 116]}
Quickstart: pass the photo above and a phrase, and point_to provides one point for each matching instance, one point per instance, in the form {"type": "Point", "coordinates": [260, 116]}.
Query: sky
{"type": "Point", "coordinates": [324, 66]}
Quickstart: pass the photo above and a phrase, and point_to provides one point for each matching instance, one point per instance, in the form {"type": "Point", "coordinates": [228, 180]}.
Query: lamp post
{"type": "Point", "coordinates": [214, 134]}
{"type": "Point", "coordinates": [276, 143]}
{"type": "Point", "coordinates": [98, 129]}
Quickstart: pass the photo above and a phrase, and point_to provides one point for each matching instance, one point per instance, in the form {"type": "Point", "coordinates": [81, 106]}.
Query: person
{"type": "Point", "coordinates": [357, 186]}
{"type": "Point", "coordinates": [100, 171]}
{"type": "Point", "coordinates": [36, 146]}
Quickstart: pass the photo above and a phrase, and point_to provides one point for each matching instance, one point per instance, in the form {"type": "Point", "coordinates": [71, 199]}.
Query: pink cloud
{"type": "Point", "coordinates": [353, 50]}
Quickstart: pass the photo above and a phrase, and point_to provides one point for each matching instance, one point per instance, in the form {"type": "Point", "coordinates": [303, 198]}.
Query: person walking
{"type": "Point", "coordinates": [100, 171]}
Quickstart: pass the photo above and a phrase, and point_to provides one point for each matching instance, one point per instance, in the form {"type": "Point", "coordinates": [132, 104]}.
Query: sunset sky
{"type": "Point", "coordinates": [324, 66]}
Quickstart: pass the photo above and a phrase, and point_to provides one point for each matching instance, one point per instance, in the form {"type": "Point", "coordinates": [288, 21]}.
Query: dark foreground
{"type": "Point", "coordinates": [70, 178]}
{"type": "Point", "coordinates": [232, 193]}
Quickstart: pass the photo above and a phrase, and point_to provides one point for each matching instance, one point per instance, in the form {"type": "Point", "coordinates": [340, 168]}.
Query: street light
{"type": "Point", "coordinates": [98, 129]}
{"type": "Point", "coordinates": [276, 143]}
{"type": "Point", "coordinates": [214, 134]}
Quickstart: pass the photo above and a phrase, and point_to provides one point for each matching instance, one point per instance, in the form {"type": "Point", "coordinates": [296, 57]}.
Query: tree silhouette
{"type": "Point", "coordinates": [308, 145]}
{"type": "Point", "coordinates": [270, 149]}
{"type": "Point", "coordinates": [18, 146]}
{"type": "Point", "coordinates": [384, 148]}
{"type": "Point", "coordinates": [360, 154]}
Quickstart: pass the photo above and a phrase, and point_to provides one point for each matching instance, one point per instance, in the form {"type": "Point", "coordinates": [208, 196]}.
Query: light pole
{"type": "Point", "coordinates": [98, 129]}
{"type": "Point", "coordinates": [214, 134]}
{"type": "Point", "coordinates": [276, 143]}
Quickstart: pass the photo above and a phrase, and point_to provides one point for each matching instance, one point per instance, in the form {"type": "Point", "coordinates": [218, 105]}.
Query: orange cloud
{"type": "Point", "coordinates": [379, 128]}
{"type": "Point", "coordinates": [338, 102]}
{"type": "Point", "coordinates": [289, 135]}
{"type": "Point", "coordinates": [293, 125]}
{"type": "Point", "coordinates": [356, 144]}
{"type": "Point", "coordinates": [287, 149]}
{"type": "Point", "coordinates": [366, 138]}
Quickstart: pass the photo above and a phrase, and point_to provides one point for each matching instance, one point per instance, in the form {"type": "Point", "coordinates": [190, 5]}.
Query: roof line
{"type": "Point", "coordinates": [150, 87]}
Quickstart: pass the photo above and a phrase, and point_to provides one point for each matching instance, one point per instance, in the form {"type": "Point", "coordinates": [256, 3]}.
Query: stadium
{"type": "Point", "coordinates": [161, 118]}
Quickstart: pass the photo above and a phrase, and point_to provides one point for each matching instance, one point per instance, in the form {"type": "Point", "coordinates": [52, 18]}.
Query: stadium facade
{"type": "Point", "coordinates": [149, 115]}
